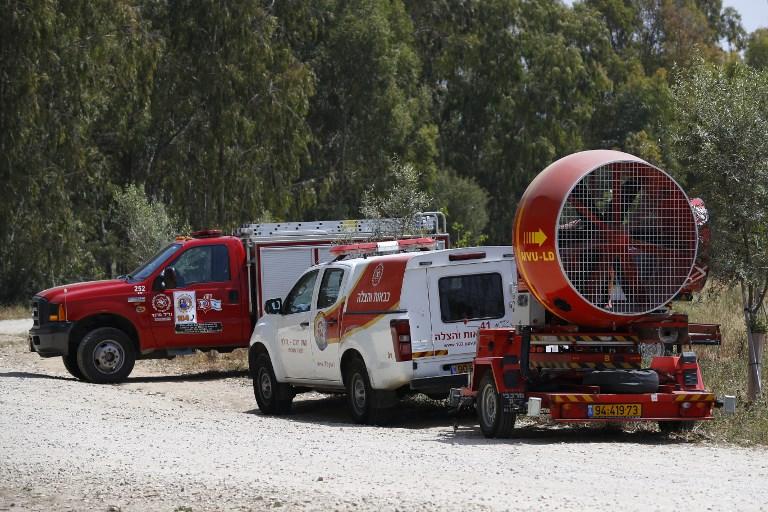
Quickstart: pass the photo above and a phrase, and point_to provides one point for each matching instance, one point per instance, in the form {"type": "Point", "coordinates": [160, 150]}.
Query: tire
{"type": "Point", "coordinates": [675, 427]}
{"type": "Point", "coordinates": [495, 421]}
{"type": "Point", "coordinates": [362, 397]}
{"type": "Point", "coordinates": [623, 381]}
{"type": "Point", "coordinates": [106, 355]}
{"type": "Point", "coordinates": [70, 363]}
{"type": "Point", "coordinates": [267, 390]}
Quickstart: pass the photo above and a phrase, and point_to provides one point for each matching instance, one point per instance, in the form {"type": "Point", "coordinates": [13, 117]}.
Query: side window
{"type": "Point", "coordinates": [329, 287]}
{"type": "Point", "coordinates": [299, 299]}
{"type": "Point", "coordinates": [471, 297]}
{"type": "Point", "coordinates": [204, 264]}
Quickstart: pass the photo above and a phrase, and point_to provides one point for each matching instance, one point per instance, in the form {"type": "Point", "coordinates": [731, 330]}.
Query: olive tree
{"type": "Point", "coordinates": [402, 199]}
{"type": "Point", "coordinates": [720, 137]}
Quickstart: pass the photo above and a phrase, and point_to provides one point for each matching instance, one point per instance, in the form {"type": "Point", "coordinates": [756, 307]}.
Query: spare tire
{"type": "Point", "coordinates": [623, 381]}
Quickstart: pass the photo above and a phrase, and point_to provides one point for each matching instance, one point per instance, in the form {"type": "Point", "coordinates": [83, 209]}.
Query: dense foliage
{"type": "Point", "coordinates": [224, 112]}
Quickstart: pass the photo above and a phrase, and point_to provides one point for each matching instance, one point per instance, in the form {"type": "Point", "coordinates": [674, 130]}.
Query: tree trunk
{"type": "Point", "coordinates": [754, 384]}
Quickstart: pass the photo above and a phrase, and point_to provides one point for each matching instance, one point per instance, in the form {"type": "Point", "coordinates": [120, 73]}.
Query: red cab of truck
{"type": "Point", "coordinates": [201, 292]}
{"type": "Point", "coordinates": [193, 294]}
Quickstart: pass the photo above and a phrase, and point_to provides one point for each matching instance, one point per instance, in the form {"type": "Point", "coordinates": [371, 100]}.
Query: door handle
{"type": "Point", "coordinates": [331, 321]}
{"type": "Point", "coordinates": [304, 324]}
{"type": "Point", "coordinates": [234, 297]}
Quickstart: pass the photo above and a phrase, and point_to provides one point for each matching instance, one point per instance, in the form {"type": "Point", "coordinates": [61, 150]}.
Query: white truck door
{"type": "Point", "coordinates": [326, 324]}
{"type": "Point", "coordinates": [463, 299]}
{"type": "Point", "coordinates": [294, 333]}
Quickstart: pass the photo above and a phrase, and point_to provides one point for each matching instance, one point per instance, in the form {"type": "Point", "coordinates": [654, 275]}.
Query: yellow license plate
{"type": "Point", "coordinates": [615, 411]}
{"type": "Point", "coordinates": [461, 368]}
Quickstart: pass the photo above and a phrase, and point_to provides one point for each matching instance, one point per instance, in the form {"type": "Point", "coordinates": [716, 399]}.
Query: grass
{"type": "Point", "coordinates": [724, 369]}
{"type": "Point", "coordinates": [15, 312]}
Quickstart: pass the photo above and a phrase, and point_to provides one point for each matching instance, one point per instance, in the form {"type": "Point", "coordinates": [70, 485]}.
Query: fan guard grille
{"type": "Point", "coordinates": [626, 238]}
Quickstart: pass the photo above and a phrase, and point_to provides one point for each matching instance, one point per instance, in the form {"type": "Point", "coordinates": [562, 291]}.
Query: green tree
{"type": "Point", "coordinates": [756, 54]}
{"type": "Point", "coordinates": [228, 132]}
{"type": "Point", "coordinates": [144, 226]}
{"type": "Point", "coordinates": [370, 103]}
{"type": "Point", "coordinates": [722, 119]}
{"type": "Point", "coordinates": [465, 204]}
{"type": "Point", "coordinates": [400, 200]}
{"type": "Point", "coordinates": [61, 64]}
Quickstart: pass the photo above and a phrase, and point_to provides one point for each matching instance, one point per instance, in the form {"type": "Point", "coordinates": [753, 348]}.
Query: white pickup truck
{"type": "Point", "coordinates": [381, 327]}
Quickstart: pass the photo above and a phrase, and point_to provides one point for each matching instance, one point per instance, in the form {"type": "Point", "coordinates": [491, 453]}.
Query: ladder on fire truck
{"type": "Point", "coordinates": [425, 223]}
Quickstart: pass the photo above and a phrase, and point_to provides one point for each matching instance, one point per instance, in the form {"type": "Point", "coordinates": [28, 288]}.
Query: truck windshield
{"type": "Point", "coordinates": [145, 270]}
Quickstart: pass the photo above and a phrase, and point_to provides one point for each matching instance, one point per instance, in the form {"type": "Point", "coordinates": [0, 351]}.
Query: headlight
{"type": "Point", "coordinates": [56, 312]}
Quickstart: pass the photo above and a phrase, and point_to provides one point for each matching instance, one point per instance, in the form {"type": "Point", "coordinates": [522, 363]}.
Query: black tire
{"type": "Point", "coordinates": [270, 394]}
{"type": "Point", "coordinates": [495, 420]}
{"type": "Point", "coordinates": [675, 427]}
{"type": "Point", "coordinates": [70, 363]}
{"type": "Point", "coordinates": [362, 397]}
{"type": "Point", "coordinates": [623, 381]}
{"type": "Point", "coordinates": [106, 355]}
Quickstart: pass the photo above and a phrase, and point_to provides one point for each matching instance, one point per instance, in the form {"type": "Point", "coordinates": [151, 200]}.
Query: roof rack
{"type": "Point", "coordinates": [431, 223]}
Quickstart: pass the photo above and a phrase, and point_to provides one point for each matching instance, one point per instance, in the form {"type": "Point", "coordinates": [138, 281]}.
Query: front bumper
{"type": "Point", "coordinates": [50, 339]}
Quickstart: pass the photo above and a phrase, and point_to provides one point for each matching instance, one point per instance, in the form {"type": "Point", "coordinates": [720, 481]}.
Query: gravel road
{"type": "Point", "coordinates": [195, 441]}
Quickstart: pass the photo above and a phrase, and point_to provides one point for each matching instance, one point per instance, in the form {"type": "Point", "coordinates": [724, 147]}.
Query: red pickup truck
{"type": "Point", "coordinates": [201, 292]}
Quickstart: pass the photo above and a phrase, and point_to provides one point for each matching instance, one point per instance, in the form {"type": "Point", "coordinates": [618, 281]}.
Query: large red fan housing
{"type": "Point", "coordinates": [603, 238]}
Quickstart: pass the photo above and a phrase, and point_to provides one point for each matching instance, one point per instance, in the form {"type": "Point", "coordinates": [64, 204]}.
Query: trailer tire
{"type": "Point", "coordinates": [106, 355]}
{"type": "Point", "coordinates": [623, 381]}
{"type": "Point", "coordinates": [362, 397]}
{"type": "Point", "coordinates": [267, 390]}
{"type": "Point", "coordinates": [495, 420]}
{"type": "Point", "coordinates": [70, 363]}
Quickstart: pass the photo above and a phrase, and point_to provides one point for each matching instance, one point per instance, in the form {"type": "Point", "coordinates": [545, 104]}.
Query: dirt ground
{"type": "Point", "coordinates": [178, 440]}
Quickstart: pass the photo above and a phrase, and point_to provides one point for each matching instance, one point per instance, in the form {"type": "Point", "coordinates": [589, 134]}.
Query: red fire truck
{"type": "Point", "coordinates": [201, 292]}
{"type": "Point", "coordinates": [604, 241]}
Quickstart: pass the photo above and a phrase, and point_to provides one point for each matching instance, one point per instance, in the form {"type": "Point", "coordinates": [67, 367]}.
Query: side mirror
{"type": "Point", "coordinates": [166, 279]}
{"type": "Point", "coordinates": [273, 306]}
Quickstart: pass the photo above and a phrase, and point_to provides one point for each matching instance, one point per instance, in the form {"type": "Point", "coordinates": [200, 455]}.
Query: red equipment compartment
{"type": "Point", "coordinates": [602, 238]}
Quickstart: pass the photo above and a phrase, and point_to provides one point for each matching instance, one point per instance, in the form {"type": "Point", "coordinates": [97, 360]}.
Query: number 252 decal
{"type": "Point", "coordinates": [139, 289]}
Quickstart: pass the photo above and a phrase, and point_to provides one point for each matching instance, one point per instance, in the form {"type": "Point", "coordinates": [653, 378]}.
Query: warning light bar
{"type": "Point", "coordinates": [388, 247]}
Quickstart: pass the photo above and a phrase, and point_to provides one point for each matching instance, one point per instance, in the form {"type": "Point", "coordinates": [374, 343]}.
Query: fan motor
{"type": "Point", "coordinates": [603, 238]}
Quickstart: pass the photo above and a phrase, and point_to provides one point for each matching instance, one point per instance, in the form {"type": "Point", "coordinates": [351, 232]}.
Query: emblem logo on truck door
{"type": "Point", "coordinates": [378, 273]}
{"type": "Point", "coordinates": [161, 303]}
{"type": "Point", "coordinates": [321, 331]}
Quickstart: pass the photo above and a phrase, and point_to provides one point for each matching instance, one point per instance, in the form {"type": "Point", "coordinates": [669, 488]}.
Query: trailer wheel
{"type": "Point", "coordinates": [675, 427]}
{"type": "Point", "coordinates": [267, 390]}
{"type": "Point", "coordinates": [106, 355]}
{"type": "Point", "coordinates": [495, 419]}
{"type": "Point", "coordinates": [623, 381]}
{"type": "Point", "coordinates": [362, 397]}
{"type": "Point", "coordinates": [70, 363]}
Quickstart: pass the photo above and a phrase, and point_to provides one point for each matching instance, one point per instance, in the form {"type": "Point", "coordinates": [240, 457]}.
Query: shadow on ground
{"type": "Point", "coordinates": [421, 413]}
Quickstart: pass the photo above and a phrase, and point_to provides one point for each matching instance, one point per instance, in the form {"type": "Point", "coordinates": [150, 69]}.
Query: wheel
{"type": "Point", "coordinates": [267, 390]}
{"type": "Point", "coordinates": [623, 381]}
{"type": "Point", "coordinates": [362, 397]}
{"type": "Point", "coordinates": [495, 419]}
{"type": "Point", "coordinates": [70, 363]}
{"type": "Point", "coordinates": [106, 355]}
{"type": "Point", "coordinates": [675, 427]}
